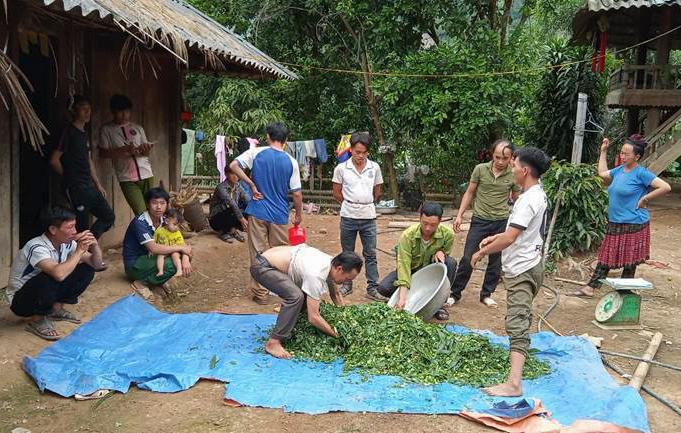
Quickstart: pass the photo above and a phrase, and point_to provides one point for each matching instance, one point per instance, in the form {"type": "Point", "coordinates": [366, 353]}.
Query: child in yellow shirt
{"type": "Point", "coordinates": [169, 234]}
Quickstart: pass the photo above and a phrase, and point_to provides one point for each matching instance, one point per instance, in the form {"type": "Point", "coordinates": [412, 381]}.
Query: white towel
{"type": "Point", "coordinates": [310, 150]}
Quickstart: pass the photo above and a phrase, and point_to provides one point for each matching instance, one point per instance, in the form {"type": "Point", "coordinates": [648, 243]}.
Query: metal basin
{"type": "Point", "coordinates": [428, 292]}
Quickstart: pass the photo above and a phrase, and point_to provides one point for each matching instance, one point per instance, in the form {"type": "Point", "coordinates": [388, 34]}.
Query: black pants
{"type": "Point", "coordinates": [480, 229]}
{"type": "Point", "coordinates": [387, 285]}
{"type": "Point", "coordinates": [224, 221]}
{"type": "Point", "coordinates": [41, 292]}
{"type": "Point", "coordinates": [601, 272]}
{"type": "Point", "coordinates": [87, 200]}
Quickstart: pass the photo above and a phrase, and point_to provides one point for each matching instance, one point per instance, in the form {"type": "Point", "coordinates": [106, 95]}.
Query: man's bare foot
{"type": "Point", "coordinates": [159, 273]}
{"type": "Point", "coordinates": [274, 348]}
{"type": "Point", "coordinates": [504, 390]}
{"type": "Point", "coordinates": [178, 273]}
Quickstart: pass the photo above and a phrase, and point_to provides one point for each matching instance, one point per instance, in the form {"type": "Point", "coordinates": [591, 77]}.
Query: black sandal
{"type": "Point", "coordinates": [441, 314]}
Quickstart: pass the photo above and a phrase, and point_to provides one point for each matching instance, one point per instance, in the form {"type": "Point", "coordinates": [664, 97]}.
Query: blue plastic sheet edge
{"type": "Point", "coordinates": [130, 342]}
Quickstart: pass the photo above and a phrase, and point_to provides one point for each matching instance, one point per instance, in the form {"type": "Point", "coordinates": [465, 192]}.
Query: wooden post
{"type": "Point", "coordinates": [643, 367]}
{"type": "Point", "coordinates": [579, 128]}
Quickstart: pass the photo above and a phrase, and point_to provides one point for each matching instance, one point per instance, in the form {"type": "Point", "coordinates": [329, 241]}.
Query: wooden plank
{"type": "Point", "coordinates": [6, 145]}
{"type": "Point", "coordinates": [642, 370]}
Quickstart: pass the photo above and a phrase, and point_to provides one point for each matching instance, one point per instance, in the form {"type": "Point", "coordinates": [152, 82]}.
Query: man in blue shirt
{"type": "Point", "coordinates": [274, 173]}
{"type": "Point", "coordinates": [140, 250]}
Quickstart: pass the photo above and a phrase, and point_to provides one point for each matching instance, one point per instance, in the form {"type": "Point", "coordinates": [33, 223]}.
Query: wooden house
{"type": "Point", "coordinates": [646, 85]}
{"type": "Point", "coordinates": [140, 48]}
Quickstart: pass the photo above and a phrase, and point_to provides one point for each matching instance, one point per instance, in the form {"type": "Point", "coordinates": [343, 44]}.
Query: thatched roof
{"type": "Point", "coordinates": [177, 26]}
{"type": "Point", "coordinates": [624, 18]}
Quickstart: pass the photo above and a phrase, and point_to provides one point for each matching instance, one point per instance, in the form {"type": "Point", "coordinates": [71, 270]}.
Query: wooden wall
{"type": "Point", "coordinates": [155, 107]}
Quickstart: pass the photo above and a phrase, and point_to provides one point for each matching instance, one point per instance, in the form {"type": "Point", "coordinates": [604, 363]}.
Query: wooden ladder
{"type": "Point", "coordinates": [664, 144]}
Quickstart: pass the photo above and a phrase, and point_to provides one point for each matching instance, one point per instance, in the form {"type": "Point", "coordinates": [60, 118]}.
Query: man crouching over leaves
{"type": "Point", "coordinates": [299, 274]}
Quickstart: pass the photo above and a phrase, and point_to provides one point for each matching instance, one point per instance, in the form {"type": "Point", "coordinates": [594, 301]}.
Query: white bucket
{"type": "Point", "coordinates": [428, 292]}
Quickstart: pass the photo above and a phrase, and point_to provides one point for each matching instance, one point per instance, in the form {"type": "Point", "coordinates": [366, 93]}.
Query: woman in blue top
{"type": "Point", "coordinates": [631, 188]}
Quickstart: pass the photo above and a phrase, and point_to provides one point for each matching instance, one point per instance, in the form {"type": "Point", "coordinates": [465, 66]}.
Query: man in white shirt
{"type": "Point", "coordinates": [302, 274]}
{"type": "Point", "coordinates": [357, 185]}
{"type": "Point", "coordinates": [51, 270]}
{"type": "Point", "coordinates": [126, 144]}
{"type": "Point", "coordinates": [521, 259]}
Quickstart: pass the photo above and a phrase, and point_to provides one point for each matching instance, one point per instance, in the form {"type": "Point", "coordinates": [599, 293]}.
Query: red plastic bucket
{"type": "Point", "coordinates": [296, 235]}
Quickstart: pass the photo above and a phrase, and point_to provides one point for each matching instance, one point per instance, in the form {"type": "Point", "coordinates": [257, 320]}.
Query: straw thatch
{"type": "Point", "coordinates": [11, 80]}
{"type": "Point", "coordinates": [177, 26]}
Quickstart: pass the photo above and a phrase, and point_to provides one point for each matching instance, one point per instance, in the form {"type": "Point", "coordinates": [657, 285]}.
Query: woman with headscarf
{"type": "Point", "coordinates": [631, 187]}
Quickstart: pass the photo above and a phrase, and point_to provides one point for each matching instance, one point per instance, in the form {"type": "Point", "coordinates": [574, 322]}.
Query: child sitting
{"type": "Point", "coordinates": [169, 234]}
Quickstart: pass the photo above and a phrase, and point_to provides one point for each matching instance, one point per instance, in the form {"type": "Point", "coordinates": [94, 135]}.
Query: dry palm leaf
{"type": "Point", "coordinates": [30, 125]}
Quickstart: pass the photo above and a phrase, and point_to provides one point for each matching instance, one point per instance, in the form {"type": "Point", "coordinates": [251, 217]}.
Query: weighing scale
{"type": "Point", "coordinates": [621, 308]}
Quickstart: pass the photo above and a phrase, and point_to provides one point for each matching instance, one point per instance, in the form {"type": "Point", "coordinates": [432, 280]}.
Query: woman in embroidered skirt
{"type": "Point", "coordinates": [631, 188]}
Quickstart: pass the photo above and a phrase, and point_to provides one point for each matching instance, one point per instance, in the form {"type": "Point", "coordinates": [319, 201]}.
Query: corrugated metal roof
{"type": "Point", "coordinates": [605, 5]}
{"type": "Point", "coordinates": [183, 20]}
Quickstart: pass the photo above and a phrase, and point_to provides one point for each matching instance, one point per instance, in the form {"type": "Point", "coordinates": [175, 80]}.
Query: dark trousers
{"type": "Point", "coordinates": [87, 200]}
{"type": "Point", "coordinates": [41, 292]}
{"type": "Point", "coordinates": [366, 228]}
{"type": "Point", "coordinates": [601, 272]}
{"type": "Point", "coordinates": [480, 229]}
{"type": "Point", "coordinates": [387, 285]}
{"type": "Point", "coordinates": [280, 283]}
{"type": "Point", "coordinates": [224, 221]}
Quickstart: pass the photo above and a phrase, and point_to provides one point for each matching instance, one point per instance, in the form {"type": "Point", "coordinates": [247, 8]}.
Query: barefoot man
{"type": "Point", "coordinates": [302, 274]}
{"type": "Point", "coordinates": [521, 259]}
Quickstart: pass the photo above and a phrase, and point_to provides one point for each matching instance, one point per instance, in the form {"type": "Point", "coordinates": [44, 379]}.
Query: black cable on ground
{"type": "Point", "coordinates": [638, 358]}
{"type": "Point", "coordinates": [644, 388]}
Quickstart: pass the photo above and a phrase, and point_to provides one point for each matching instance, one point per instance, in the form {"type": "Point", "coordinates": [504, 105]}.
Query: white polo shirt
{"type": "Point", "coordinates": [132, 168]}
{"type": "Point", "coordinates": [358, 188]}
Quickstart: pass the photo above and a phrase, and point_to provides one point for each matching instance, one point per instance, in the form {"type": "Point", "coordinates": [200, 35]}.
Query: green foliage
{"type": "Point", "coordinates": [555, 101]}
{"type": "Point", "coordinates": [238, 108]}
{"type": "Point", "coordinates": [377, 339]}
{"type": "Point", "coordinates": [443, 122]}
{"type": "Point", "coordinates": [583, 214]}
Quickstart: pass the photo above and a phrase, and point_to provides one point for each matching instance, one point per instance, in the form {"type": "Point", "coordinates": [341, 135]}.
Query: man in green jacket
{"type": "Point", "coordinates": [420, 245]}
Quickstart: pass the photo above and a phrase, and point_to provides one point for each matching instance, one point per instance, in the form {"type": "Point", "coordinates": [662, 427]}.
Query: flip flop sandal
{"type": "Point", "coordinates": [94, 396]}
{"type": "Point", "coordinates": [227, 238]}
{"type": "Point", "coordinates": [102, 268]}
{"type": "Point", "coordinates": [65, 316]}
{"type": "Point", "coordinates": [441, 314]}
{"type": "Point", "coordinates": [41, 329]}
{"type": "Point", "coordinates": [580, 294]}
{"type": "Point", "coordinates": [239, 237]}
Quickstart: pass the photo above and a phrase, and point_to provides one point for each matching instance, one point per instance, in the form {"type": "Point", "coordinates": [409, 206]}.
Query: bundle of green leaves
{"type": "Point", "coordinates": [375, 339]}
{"type": "Point", "coordinates": [583, 214]}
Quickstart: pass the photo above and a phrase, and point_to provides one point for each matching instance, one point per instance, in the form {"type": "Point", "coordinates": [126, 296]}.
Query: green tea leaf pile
{"type": "Point", "coordinates": [377, 339]}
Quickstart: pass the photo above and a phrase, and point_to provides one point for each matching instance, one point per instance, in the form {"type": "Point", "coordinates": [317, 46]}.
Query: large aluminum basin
{"type": "Point", "coordinates": [428, 292]}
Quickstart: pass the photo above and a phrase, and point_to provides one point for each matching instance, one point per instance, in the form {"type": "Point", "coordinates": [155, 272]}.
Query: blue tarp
{"type": "Point", "coordinates": [130, 342]}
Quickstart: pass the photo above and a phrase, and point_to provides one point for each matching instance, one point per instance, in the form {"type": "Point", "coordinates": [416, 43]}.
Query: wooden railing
{"type": "Point", "coordinates": [646, 77]}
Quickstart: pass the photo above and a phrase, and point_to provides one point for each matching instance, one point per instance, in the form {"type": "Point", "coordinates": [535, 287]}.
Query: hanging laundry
{"type": "Point", "coordinates": [343, 148]}
{"type": "Point", "coordinates": [220, 156]}
{"type": "Point", "coordinates": [320, 147]}
{"type": "Point", "coordinates": [188, 152]}
{"type": "Point", "coordinates": [310, 150]}
{"type": "Point", "coordinates": [290, 148]}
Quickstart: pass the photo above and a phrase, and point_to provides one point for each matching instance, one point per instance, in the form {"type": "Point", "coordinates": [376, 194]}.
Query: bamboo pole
{"type": "Point", "coordinates": [643, 367]}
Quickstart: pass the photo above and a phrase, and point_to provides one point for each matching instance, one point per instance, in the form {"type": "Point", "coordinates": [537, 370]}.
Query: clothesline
{"type": "Point", "coordinates": [307, 153]}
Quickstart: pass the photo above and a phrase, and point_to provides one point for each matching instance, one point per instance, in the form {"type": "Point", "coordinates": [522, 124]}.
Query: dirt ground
{"type": "Point", "coordinates": [219, 283]}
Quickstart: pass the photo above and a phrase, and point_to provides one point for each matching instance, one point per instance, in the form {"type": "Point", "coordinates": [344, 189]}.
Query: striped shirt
{"type": "Point", "coordinates": [25, 264]}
